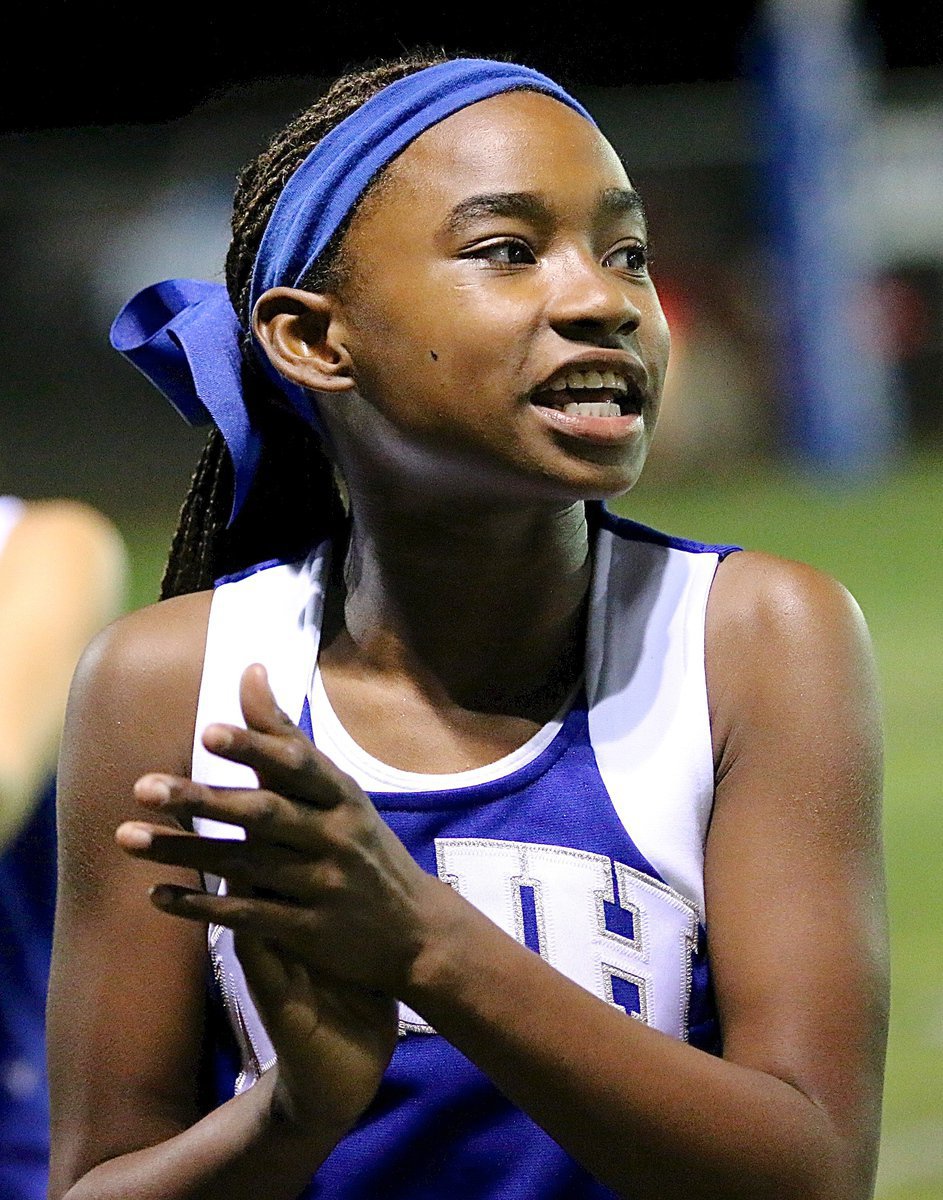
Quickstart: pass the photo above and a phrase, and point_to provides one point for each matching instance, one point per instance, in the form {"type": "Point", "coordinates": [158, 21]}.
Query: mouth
{"type": "Point", "coordinates": [602, 407]}
{"type": "Point", "coordinates": [591, 393]}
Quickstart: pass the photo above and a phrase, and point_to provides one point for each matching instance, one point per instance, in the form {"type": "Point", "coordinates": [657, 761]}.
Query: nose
{"type": "Point", "coordinates": [590, 301]}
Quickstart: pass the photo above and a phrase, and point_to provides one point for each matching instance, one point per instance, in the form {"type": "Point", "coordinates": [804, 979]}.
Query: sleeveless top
{"type": "Point", "coordinates": [586, 844]}
{"type": "Point", "coordinates": [27, 905]}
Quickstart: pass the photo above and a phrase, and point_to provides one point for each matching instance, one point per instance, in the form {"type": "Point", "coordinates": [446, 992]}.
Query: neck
{"type": "Point", "coordinates": [481, 609]}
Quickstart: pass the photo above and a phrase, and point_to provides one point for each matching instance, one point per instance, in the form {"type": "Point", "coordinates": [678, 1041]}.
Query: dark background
{"type": "Point", "coordinates": [70, 63]}
{"type": "Point", "coordinates": [122, 128]}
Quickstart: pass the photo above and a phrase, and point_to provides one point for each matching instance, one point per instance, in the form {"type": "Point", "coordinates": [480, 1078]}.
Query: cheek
{"type": "Point", "coordinates": [657, 341]}
{"type": "Point", "coordinates": [393, 345]}
{"type": "Point", "coordinates": [414, 347]}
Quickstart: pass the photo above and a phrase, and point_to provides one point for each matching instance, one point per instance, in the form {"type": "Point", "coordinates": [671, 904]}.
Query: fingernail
{"type": "Point", "coordinates": [217, 737]}
{"type": "Point", "coordinates": [135, 837]}
{"type": "Point", "coordinates": [152, 789]}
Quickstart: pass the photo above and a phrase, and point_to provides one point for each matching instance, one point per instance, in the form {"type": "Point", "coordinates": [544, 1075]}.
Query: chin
{"type": "Point", "coordinates": [605, 481]}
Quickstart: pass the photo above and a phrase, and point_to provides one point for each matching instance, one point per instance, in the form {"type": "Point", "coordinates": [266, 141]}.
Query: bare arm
{"type": "Point", "coordinates": [797, 934]}
{"type": "Point", "coordinates": [795, 914]}
{"type": "Point", "coordinates": [61, 580]}
{"type": "Point", "coordinates": [126, 1004]}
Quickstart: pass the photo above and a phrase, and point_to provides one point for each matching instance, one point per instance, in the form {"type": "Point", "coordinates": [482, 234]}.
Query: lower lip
{"type": "Point", "coordinates": [603, 431]}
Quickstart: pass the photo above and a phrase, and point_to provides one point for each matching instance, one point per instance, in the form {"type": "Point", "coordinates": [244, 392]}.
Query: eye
{"type": "Point", "coordinates": [503, 252]}
{"type": "Point", "coordinates": [634, 258]}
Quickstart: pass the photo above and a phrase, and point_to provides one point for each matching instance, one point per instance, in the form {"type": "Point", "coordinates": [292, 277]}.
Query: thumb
{"type": "Point", "coordinates": [259, 707]}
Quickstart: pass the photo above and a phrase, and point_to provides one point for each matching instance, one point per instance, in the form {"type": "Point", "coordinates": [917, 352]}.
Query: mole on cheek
{"type": "Point", "coordinates": [433, 356]}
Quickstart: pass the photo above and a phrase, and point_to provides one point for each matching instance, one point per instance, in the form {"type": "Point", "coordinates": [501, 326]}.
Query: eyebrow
{"type": "Point", "coordinates": [529, 206]}
{"type": "Point", "coordinates": [623, 202]}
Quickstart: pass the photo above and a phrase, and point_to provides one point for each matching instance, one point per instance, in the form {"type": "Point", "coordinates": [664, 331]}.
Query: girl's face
{"type": "Point", "coordinates": [502, 256]}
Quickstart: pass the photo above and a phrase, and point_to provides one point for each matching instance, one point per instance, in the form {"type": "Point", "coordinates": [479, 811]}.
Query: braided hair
{"type": "Point", "coordinates": [294, 501]}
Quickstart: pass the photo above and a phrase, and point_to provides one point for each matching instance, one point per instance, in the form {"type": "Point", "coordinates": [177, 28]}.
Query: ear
{"type": "Point", "coordinates": [303, 338]}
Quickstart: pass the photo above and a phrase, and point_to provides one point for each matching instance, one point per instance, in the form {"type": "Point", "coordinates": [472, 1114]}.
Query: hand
{"type": "Point", "coordinates": [326, 903]}
{"type": "Point", "coordinates": [333, 1042]}
{"type": "Point", "coordinates": [319, 875]}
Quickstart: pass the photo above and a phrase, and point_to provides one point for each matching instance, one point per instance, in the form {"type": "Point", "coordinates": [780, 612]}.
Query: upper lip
{"type": "Point", "coordinates": [617, 361]}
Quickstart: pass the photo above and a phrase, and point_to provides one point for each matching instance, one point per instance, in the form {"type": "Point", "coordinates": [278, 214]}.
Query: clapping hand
{"type": "Point", "coordinates": [328, 909]}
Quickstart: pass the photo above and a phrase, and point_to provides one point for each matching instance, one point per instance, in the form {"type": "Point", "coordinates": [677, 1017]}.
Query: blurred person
{"type": "Point", "coordinates": [62, 572]}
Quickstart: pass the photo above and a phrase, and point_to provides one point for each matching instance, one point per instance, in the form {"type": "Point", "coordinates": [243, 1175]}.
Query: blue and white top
{"type": "Point", "coordinates": [586, 844]}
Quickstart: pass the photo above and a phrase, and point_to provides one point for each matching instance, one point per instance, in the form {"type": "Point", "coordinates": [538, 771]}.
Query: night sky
{"type": "Point", "coordinates": [79, 63]}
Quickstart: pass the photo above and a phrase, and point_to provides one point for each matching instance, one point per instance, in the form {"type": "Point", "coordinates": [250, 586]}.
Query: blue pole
{"type": "Point", "coordinates": [839, 411]}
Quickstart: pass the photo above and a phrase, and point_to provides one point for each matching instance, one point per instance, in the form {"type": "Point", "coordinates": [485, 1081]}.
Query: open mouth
{"type": "Point", "coordinates": [591, 394]}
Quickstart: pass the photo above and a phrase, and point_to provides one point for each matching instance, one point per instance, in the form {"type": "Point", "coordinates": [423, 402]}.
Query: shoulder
{"type": "Point", "coordinates": [787, 645]}
{"type": "Point", "coordinates": [159, 637]}
{"type": "Point", "coordinates": [768, 602]}
{"type": "Point", "coordinates": [141, 676]}
{"type": "Point", "coordinates": [131, 710]}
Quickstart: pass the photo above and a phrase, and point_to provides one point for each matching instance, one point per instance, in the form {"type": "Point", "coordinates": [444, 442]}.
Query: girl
{"type": "Point", "coordinates": [504, 815]}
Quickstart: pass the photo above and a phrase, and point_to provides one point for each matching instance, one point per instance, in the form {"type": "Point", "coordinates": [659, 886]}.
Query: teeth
{"type": "Point", "coordinates": [593, 408]}
{"type": "Point", "coordinates": [580, 380]}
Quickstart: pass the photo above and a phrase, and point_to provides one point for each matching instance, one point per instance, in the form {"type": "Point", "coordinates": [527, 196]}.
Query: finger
{"type": "Point", "coordinates": [264, 815]}
{"type": "Point", "coordinates": [308, 935]}
{"type": "Point", "coordinates": [290, 927]}
{"type": "Point", "coordinates": [260, 711]}
{"type": "Point", "coordinates": [271, 973]}
{"type": "Point", "coordinates": [259, 706]}
{"type": "Point", "coordinates": [275, 746]}
{"type": "Point", "coordinates": [277, 870]}
{"type": "Point", "coordinates": [271, 742]}
{"type": "Point", "coordinates": [287, 762]}
{"type": "Point", "coordinates": [265, 970]}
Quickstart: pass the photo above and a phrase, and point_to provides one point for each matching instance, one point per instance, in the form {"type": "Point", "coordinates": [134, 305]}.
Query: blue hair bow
{"type": "Point", "coordinates": [183, 333]}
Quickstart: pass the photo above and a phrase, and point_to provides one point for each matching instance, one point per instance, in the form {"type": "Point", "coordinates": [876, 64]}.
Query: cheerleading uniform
{"type": "Point", "coordinates": [27, 906]}
{"type": "Point", "coordinates": [586, 844]}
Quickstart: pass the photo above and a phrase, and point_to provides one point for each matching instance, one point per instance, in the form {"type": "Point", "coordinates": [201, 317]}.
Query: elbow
{"type": "Point", "coordinates": [829, 1165]}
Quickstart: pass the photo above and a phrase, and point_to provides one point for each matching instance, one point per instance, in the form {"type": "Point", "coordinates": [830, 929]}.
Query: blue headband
{"type": "Point", "coordinates": [183, 334]}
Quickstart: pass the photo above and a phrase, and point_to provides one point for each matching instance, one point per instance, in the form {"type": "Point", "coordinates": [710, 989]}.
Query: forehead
{"type": "Point", "coordinates": [515, 142]}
